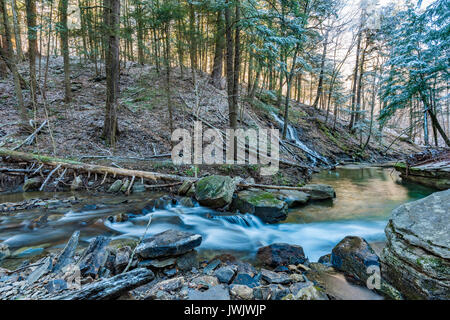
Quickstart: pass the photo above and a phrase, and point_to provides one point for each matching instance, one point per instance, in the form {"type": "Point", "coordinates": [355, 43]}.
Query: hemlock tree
{"type": "Point", "coordinates": [418, 59]}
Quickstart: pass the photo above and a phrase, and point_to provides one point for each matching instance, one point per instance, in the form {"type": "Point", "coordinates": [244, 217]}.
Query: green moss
{"type": "Point", "coordinates": [191, 171]}
{"type": "Point", "coordinates": [400, 165]}
{"type": "Point", "coordinates": [256, 198]}
{"type": "Point", "coordinates": [434, 263]}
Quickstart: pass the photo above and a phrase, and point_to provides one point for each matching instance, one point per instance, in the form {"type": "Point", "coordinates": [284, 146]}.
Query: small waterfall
{"type": "Point", "coordinates": [243, 220]}
{"type": "Point", "coordinates": [293, 136]}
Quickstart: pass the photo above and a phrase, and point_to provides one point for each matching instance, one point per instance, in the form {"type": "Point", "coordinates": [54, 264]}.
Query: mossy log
{"type": "Point", "coordinates": [89, 168]}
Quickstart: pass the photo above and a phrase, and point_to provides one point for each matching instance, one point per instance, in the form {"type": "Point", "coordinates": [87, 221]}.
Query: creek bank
{"type": "Point", "coordinates": [65, 276]}
{"type": "Point", "coordinates": [430, 168]}
{"type": "Point", "coordinates": [435, 175]}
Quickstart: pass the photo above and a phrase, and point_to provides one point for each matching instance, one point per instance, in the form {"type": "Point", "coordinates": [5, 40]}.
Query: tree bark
{"type": "Point", "coordinates": [32, 46]}
{"type": "Point", "coordinates": [11, 62]}
{"type": "Point", "coordinates": [322, 66]}
{"type": "Point", "coordinates": [216, 75]}
{"type": "Point", "coordinates": [111, 16]}
{"type": "Point", "coordinates": [65, 48]}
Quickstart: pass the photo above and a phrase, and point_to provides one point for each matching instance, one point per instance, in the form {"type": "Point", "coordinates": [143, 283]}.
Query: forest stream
{"type": "Point", "coordinates": [364, 199]}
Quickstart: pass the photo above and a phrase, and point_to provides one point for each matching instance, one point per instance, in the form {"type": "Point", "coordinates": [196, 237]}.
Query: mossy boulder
{"type": "Point", "coordinates": [262, 204]}
{"type": "Point", "coordinates": [32, 184]}
{"type": "Point", "coordinates": [184, 188]}
{"type": "Point", "coordinates": [215, 191]}
{"type": "Point", "coordinates": [115, 187]}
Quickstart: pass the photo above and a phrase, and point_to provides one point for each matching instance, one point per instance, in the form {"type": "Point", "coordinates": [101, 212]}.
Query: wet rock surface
{"type": "Point", "coordinates": [416, 259]}
{"type": "Point", "coordinates": [265, 205]}
{"type": "Point", "coordinates": [319, 191]}
{"type": "Point", "coordinates": [215, 191]}
{"type": "Point", "coordinates": [167, 243]}
{"type": "Point", "coordinates": [353, 256]}
{"type": "Point", "coordinates": [281, 254]}
{"type": "Point", "coordinates": [293, 198]}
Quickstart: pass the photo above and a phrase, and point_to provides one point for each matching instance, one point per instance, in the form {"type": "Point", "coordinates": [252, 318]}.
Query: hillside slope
{"type": "Point", "coordinates": [143, 123]}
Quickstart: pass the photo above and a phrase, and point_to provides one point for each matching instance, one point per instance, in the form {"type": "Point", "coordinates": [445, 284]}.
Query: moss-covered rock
{"type": "Point", "coordinates": [215, 191]}
{"type": "Point", "coordinates": [184, 188]}
{"type": "Point", "coordinates": [115, 187]}
{"type": "Point", "coordinates": [32, 184]}
{"type": "Point", "coordinates": [262, 204]}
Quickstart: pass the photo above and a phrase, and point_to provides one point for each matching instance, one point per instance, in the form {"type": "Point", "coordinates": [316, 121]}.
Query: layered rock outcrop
{"type": "Point", "coordinates": [416, 259]}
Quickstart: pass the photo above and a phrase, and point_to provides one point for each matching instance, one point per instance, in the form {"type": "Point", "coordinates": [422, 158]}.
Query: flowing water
{"type": "Point", "coordinates": [292, 135]}
{"type": "Point", "coordinates": [365, 198]}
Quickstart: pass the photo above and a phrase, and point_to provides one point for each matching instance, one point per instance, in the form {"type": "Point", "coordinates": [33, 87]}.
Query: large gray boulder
{"type": "Point", "coordinates": [416, 259]}
{"type": "Point", "coordinates": [215, 191]}
{"type": "Point", "coordinates": [319, 191]}
{"type": "Point", "coordinates": [168, 243]}
{"type": "Point", "coordinates": [293, 198]}
{"type": "Point", "coordinates": [262, 204]}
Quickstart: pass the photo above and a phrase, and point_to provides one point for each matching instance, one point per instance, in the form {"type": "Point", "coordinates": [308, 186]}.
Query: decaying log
{"type": "Point", "coordinates": [155, 186]}
{"type": "Point", "coordinates": [79, 166]}
{"type": "Point", "coordinates": [268, 186]}
{"type": "Point", "coordinates": [111, 288]}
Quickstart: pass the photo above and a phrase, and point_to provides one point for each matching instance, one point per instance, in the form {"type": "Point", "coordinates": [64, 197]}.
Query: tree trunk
{"type": "Point", "coordinates": [65, 48]}
{"type": "Point", "coordinates": [17, 36]}
{"type": "Point", "coordinates": [11, 62]}
{"type": "Point", "coordinates": [229, 65]}
{"type": "Point", "coordinates": [322, 66]}
{"type": "Point", "coordinates": [355, 79]}
{"type": "Point", "coordinates": [32, 46]}
{"type": "Point", "coordinates": [237, 62]}
{"type": "Point", "coordinates": [193, 42]}
{"type": "Point", "coordinates": [167, 60]}
{"type": "Point", "coordinates": [111, 16]}
{"type": "Point", "coordinates": [216, 75]}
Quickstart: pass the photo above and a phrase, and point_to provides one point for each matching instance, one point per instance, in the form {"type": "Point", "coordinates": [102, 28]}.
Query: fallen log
{"type": "Point", "coordinates": [111, 288]}
{"type": "Point", "coordinates": [92, 168]}
{"type": "Point", "coordinates": [268, 186]}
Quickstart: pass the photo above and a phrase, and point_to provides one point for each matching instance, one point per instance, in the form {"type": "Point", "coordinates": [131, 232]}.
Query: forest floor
{"type": "Point", "coordinates": [75, 129]}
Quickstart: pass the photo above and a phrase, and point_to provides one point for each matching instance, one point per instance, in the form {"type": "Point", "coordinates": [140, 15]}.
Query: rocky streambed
{"type": "Point", "coordinates": [163, 262]}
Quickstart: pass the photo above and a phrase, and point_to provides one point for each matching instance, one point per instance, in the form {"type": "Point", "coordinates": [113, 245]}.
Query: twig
{"type": "Point", "coordinates": [130, 186]}
{"type": "Point", "coordinates": [140, 240]}
{"type": "Point", "coordinates": [49, 176]}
